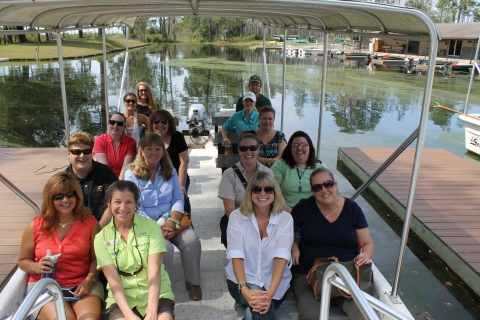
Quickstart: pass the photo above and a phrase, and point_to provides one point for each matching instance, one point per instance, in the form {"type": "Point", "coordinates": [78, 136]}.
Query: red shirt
{"type": "Point", "coordinates": [127, 147]}
{"type": "Point", "coordinates": [74, 262]}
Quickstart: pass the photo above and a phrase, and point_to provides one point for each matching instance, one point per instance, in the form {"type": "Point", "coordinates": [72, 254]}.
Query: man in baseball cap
{"type": "Point", "coordinates": [254, 85]}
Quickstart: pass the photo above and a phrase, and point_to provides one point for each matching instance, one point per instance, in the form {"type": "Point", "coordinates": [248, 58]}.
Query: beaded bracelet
{"type": "Point", "coordinates": [31, 271]}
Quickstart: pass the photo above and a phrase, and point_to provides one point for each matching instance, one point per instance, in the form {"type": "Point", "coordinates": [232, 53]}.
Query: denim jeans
{"type": "Point", "coordinates": [249, 314]}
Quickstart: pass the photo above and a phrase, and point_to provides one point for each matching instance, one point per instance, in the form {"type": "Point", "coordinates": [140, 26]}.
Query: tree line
{"type": "Point", "coordinates": [207, 29]}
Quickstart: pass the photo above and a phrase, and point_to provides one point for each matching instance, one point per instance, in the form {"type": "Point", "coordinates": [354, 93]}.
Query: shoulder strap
{"type": "Point", "coordinates": [240, 176]}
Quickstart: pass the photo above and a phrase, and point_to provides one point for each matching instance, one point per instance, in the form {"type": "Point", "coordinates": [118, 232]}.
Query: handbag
{"type": "Point", "coordinates": [224, 219]}
{"type": "Point", "coordinates": [185, 222]}
{"type": "Point", "coordinates": [363, 276]}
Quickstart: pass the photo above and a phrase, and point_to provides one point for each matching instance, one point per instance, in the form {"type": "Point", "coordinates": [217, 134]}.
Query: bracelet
{"type": "Point", "coordinates": [241, 285]}
{"type": "Point", "coordinates": [31, 270]}
{"type": "Point", "coordinates": [269, 161]}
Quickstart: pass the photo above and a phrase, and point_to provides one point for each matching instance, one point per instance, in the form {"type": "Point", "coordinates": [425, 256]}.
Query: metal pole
{"type": "Point", "coordinates": [465, 110]}
{"type": "Point", "coordinates": [387, 163]}
{"type": "Point", "coordinates": [19, 193]}
{"type": "Point", "coordinates": [126, 57]}
{"type": "Point", "coordinates": [62, 86]}
{"type": "Point", "coordinates": [322, 94]}
{"type": "Point", "coordinates": [283, 75]}
{"type": "Point", "coordinates": [418, 158]}
{"type": "Point", "coordinates": [105, 75]}
{"type": "Point", "coordinates": [265, 67]}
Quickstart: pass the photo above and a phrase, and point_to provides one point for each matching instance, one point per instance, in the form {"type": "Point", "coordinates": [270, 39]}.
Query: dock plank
{"type": "Point", "coordinates": [445, 209]}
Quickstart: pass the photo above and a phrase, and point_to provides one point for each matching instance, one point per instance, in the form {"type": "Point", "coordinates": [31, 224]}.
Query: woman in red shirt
{"type": "Point", "coordinates": [64, 227]}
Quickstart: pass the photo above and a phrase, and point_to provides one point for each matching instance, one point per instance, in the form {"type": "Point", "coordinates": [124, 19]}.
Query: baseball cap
{"type": "Point", "coordinates": [255, 78]}
{"type": "Point", "coordinates": [250, 95]}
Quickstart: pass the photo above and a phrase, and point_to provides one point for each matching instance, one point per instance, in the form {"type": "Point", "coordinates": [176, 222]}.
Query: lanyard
{"type": "Point", "coordinates": [300, 178]}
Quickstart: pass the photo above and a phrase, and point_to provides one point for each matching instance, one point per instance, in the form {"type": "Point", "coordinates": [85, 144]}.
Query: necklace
{"type": "Point", "coordinates": [300, 177]}
{"type": "Point", "coordinates": [63, 225]}
{"type": "Point", "coordinates": [331, 214]}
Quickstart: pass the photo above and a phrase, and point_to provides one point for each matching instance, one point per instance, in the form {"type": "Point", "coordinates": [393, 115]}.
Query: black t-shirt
{"type": "Point", "coordinates": [94, 186]}
{"type": "Point", "coordinates": [177, 146]}
{"type": "Point", "coordinates": [322, 239]}
{"type": "Point", "coordinates": [145, 110]}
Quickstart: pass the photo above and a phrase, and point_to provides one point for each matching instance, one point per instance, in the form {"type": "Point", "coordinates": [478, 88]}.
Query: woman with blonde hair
{"type": "Point", "coordinates": [65, 231]}
{"type": "Point", "coordinates": [161, 199]}
{"type": "Point", "coordinates": [260, 236]}
{"type": "Point", "coordinates": [145, 102]}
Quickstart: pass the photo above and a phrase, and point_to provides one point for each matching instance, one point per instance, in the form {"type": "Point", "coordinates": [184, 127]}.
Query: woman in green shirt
{"type": "Point", "coordinates": [129, 250]}
{"type": "Point", "coordinates": [293, 170]}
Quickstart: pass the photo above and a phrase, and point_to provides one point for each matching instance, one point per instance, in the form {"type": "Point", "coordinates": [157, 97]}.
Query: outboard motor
{"type": "Point", "coordinates": [196, 120]}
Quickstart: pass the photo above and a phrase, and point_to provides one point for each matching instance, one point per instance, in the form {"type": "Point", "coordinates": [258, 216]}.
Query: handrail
{"type": "Point", "coordinates": [386, 164]}
{"type": "Point", "coordinates": [19, 193]}
{"type": "Point", "coordinates": [352, 288]}
{"type": "Point", "coordinates": [375, 303]}
{"type": "Point", "coordinates": [31, 304]}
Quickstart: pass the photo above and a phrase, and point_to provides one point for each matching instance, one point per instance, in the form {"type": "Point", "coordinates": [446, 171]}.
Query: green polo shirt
{"type": "Point", "coordinates": [150, 240]}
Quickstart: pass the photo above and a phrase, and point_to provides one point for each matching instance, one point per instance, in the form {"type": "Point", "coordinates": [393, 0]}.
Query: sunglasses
{"type": "Point", "coordinates": [255, 84]}
{"type": "Point", "coordinates": [163, 121]}
{"type": "Point", "coordinates": [302, 144]}
{"type": "Point", "coordinates": [267, 189]}
{"type": "Point", "coordinates": [60, 196]}
{"type": "Point", "coordinates": [329, 184]}
{"type": "Point", "coordinates": [245, 148]}
{"type": "Point", "coordinates": [78, 152]}
{"type": "Point", "coordinates": [118, 123]}
{"type": "Point", "coordinates": [142, 90]}
{"type": "Point", "coordinates": [130, 101]}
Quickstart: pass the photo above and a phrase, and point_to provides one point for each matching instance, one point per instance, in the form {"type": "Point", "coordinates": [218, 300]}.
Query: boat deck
{"type": "Point", "coordinates": [446, 207]}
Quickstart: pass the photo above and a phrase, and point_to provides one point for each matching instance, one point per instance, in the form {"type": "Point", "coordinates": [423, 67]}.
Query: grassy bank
{"type": "Point", "coordinates": [71, 48]}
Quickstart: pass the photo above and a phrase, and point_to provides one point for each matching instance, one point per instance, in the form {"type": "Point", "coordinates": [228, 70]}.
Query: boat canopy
{"type": "Point", "coordinates": [345, 17]}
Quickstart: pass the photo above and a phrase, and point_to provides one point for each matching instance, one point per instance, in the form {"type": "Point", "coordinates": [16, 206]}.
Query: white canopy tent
{"type": "Point", "coordinates": [328, 16]}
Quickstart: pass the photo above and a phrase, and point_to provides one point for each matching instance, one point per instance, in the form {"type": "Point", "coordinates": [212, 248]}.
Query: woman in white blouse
{"type": "Point", "coordinates": [260, 232]}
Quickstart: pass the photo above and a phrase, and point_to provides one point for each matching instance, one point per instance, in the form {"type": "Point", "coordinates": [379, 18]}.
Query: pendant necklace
{"type": "Point", "coordinates": [63, 225]}
{"type": "Point", "coordinates": [300, 178]}
{"type": "Point", "coordinates": [331, 213]}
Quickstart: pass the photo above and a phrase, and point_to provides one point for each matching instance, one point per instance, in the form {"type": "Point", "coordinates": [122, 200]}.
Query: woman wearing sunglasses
{"type": "Point", "coordinates": [233, 184]}
{"type": "Point", "coordinates": [114, 148]}
{"type": "Point", "coordinates": [64, 227]}
{"type": "Point", "coordinates": [293, 170]}
{"type": "Point", "coordinates": [129, 250]}
{"type": "Point", "coordinates": [272, 142]}
{"type": "Point", "coordinates": [145, 102]}
{"type": "Point", "coordinates": [330, 225]}
{"type": "Point", "coordinates": [162, 122]}
{"type": "Point", "coordinates": [136, 123]}
{"type": "Point", "coordinates": [160, 193]}
{"type": "Point", "coordinates": [260, 236]}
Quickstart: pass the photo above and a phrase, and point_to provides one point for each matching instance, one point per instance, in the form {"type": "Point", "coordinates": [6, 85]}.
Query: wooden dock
{"type": "Point", "coordinates": [447, 202]}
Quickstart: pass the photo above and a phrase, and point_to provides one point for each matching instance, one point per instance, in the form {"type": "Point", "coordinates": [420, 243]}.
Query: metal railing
{"type": "Point", "coordinates": [337, 275]}
{"type": "Point", "coordinates": [19, 193]}
{"type": "Point", "coordinates": [35, 300]}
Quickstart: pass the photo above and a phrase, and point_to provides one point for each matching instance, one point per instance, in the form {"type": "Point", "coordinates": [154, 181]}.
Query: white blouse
{"type": "Point", "coordinates": [244, 242]}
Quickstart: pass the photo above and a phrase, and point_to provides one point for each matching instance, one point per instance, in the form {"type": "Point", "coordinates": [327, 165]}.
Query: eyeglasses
{"type": "Point", "coordinates": [255, 84]}
{"type": "Point", "coordinates": [60, 196]}
{"type": "Point", "coordinates": [130, 101]}
{"type": "Point", "coordinates": [267, 189]}
{"type": "Point", "coordinates": [142, 90]}
{"type": "Point", "coordinates": [119, 123]}
{"type": "Point", "coordinates": [157, 121]}
{"type": "Point", "coordinates": [245, 148]}
{"type": "Point", "coordinates": [302, 144]}
{"type": "Point", "coordinates": [78, 152]}
{"type": "Point", "coordinates": [123, 273]}
{"type": "Point", "coordinates": [329, 184]}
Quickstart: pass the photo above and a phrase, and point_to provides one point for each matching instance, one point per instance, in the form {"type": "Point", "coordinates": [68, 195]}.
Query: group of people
{"type": "Point", "coordinates": [112, 223]}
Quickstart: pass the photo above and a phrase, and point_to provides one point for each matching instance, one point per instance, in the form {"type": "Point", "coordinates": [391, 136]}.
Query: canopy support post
{"type": "Point", "coordinates": [105, 76]}
{"type": "Point", "coordinates": [283, 75]}
{"type": "Point", "coordinates": [265, 68]}
{"type": "Point", "coordinates": [62, 86]}
{"type": "Point", "coordinates": [322, 94]}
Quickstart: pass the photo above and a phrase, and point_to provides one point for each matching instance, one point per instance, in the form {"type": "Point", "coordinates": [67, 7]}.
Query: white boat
{"type": "Point", "coordinates": [322, 15]}
{"type": "Point", "coordinates": [472, 132]}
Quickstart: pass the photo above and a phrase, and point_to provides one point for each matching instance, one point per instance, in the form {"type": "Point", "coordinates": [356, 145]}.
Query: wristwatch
{"type": "Point", "coordinates": [241, 285]}
{"type": "Point", "coordinates": [177, 223]}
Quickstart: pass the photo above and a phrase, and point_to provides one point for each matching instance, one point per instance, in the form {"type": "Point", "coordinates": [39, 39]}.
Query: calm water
{"type": "Point", "coordinates": [365, 108]}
